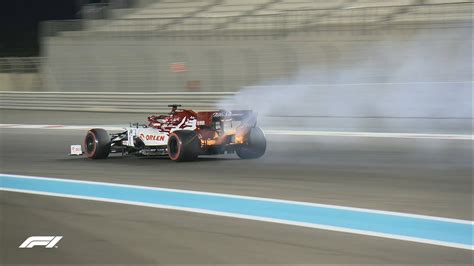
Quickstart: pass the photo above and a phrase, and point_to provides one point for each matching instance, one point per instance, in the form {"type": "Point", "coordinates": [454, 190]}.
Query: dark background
{"type": "Point", "coordinates": [20, 20]}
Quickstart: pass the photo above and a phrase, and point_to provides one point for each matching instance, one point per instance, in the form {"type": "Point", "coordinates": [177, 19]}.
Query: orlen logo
{"type": "Point", "coordinates": [152, 137]}
{"type": "Point", "coordinates": [46, 241]}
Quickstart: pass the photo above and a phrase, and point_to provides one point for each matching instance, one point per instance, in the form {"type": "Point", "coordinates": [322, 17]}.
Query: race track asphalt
{"type": "Point", "coordinates": [430, 177]}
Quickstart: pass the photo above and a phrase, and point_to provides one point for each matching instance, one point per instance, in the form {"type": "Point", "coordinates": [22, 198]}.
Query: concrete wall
{"type": "Point", "coordinates": [101, 63]}
{"type": "Point", "coordinates": [399, 80]}
{"type": "Point", "coordinates": [20, 82]}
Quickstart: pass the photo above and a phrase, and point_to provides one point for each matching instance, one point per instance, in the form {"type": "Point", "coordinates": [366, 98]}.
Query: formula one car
{"type": "Point", "coordinates": [183, 135]}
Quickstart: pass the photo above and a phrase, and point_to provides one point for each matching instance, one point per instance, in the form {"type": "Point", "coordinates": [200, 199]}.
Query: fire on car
{"type": "Point", "coordinates": [183, 135]}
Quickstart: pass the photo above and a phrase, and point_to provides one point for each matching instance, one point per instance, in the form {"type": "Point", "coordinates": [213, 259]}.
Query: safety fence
{"type": "Point", "coordinates": [21, 73]}
{"type": "Point", "coordinates": [109, 102]}
{"type": "Point", "coordinates": [274, 25]}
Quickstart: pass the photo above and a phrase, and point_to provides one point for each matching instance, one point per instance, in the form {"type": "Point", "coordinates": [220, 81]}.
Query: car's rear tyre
{"type": "Point", "coordinates": [184, 145]}
{"type": "Point", "coordinates": [255, 146]}
{"type": "Point", "coordinates": [97, 144]}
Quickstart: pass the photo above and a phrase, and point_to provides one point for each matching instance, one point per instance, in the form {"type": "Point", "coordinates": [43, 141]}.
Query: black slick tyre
{"type": "Point", "coordinates": [183, 145]}
{"type": "Point", "coordinates": [255, 146]}
{"type": "Point", "coordinates": [97, 144]}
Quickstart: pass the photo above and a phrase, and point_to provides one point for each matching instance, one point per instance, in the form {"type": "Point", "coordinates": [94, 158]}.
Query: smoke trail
{"type": "Point", "coordinates": [385, 85]}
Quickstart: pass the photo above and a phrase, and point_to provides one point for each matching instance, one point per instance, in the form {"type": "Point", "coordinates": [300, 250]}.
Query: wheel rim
{"type": "Point", "coordinates": [90, 143]}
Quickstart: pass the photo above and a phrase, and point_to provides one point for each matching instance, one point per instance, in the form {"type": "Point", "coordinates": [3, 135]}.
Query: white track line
{"type": "Point", "coordinates": [275, 132]}
{"type": "Point", "coordinates": [250, 217]}
{"type": "Point", "coordinates": [375, 211]}
{"type": "Point", "coordinates": [371, 134]}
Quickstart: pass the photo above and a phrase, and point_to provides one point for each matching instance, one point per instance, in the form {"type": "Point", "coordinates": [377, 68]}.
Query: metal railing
{"type": "Point", "coordinates": [281, 24]}
{"type": "Point", "coordinates": [21, 73]}
{"type": "Point", "coordinates": [109, 102]}
{"type": "Point", "coordinates": [20, 64]}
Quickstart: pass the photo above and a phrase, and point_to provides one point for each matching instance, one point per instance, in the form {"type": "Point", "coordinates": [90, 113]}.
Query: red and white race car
{"type": "Point", "coordinates": [183, 135]}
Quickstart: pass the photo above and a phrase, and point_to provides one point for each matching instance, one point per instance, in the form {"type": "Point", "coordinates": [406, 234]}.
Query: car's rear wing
{"type": "Point", "coordinates": [245, 116]}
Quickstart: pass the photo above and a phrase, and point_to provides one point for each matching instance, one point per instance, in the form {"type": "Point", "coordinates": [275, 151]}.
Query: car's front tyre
{"type": "Point", "coordinates": [97, 144]}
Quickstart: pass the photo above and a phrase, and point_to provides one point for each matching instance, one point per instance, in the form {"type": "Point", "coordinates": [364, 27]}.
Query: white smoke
{"type": "Point", "coordinates": [429, 77]}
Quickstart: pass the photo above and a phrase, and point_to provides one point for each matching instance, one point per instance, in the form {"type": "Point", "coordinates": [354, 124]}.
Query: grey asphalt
{"type": "Point", "coordinates": [431, 177]}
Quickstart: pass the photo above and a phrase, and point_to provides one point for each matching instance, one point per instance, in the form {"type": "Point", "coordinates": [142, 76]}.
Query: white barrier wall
{"type": "Point", "coordinates": [407, 107]}
{"type": "Point", "coordinates": [20, 82]}
{"type": "Point", "coordinates": [105, 63]}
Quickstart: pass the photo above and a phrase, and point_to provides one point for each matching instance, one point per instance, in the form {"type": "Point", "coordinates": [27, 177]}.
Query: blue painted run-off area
{"type": "Point", "coordinates": [450, 231]}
